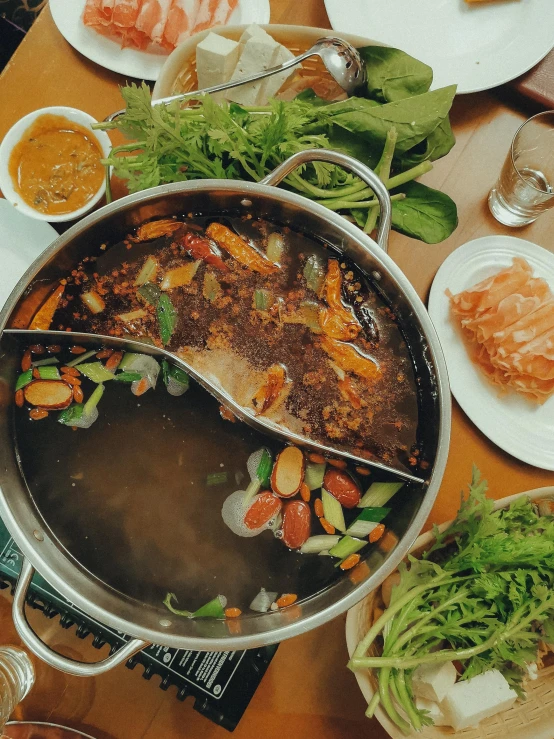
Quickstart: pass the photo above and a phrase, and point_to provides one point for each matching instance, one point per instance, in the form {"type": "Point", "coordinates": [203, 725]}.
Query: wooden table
{"type": "Point", "coordinates": [307, 691]}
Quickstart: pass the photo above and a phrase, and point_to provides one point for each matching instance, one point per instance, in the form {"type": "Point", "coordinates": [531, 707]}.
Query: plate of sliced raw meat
{"type": "Point", "coordinates": [134, 37]}
{"type": "Point", "coordinates": [492, 303]}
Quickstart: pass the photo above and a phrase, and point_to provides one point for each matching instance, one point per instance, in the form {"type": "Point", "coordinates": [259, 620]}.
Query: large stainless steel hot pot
{"type": "Point", "coordinates": [149, 624]}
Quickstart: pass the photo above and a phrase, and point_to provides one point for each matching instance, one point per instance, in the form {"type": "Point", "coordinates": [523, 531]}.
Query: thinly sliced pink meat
{"type": "Point", "coordinates": [93, 14]}
{"type": "Point", "coordinates": [180, 21]}
{"type": "Point", "coordinates": [213, 13]}
{"type": "Point", "coordinates": [125, 13]}
{"type": "Point", "coordinates": [489, 292]}
{"type": "Point", "coordinates": [152, 19]}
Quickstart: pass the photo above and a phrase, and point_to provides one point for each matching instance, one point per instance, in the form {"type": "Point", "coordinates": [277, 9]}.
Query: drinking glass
{"type": "Point", "coordinates": [525, 188]}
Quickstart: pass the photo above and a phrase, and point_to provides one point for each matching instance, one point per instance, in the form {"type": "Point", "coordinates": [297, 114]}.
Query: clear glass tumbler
{"type": "Point", "coordinates": [525, 188]}
{"type": "Point", "coordinates": [17, 676]}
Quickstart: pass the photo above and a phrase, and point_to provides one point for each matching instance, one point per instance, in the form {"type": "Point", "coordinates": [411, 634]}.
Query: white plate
{"type": "Point", "coordinates": [131, 62]}
{"type": "Point", "coordinates": [476, 46]}
{"type": "Point", "coordinates": [521, 428]}
{"type": "Point", "coordinates": [22, 240]}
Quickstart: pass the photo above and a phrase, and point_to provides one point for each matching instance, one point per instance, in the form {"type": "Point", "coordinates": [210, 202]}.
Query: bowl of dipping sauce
{"type": "Point", "coordinates": [50, 164]}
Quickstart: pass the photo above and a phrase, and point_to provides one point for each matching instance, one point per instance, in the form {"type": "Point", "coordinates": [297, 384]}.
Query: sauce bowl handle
{"type": "Point", "coordinates": [43, 651]}
{"type": "Point", "coordinates": [353, 165]}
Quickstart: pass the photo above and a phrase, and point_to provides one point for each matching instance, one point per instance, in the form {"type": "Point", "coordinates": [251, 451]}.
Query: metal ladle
{"type": "Point", "coordinates": [260, 423]}
{"type": "Point", "coordinates": [341, 59]}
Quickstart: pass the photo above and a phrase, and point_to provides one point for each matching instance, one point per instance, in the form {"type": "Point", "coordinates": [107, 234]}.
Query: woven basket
{"type": "Point", "coordinates": [529, 719]}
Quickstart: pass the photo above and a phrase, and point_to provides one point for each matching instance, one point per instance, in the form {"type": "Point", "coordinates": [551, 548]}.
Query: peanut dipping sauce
{"type": "Point", "coordinates": [56, 166]}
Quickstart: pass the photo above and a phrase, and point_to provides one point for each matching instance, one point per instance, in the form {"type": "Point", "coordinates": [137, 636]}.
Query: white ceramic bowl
{"type": "Point", "coordinates": [14, 136]}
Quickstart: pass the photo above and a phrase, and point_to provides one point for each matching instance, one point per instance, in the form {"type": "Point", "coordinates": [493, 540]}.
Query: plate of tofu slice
{"type": "Point", "coordinates": [137, 42]}
{"type": "Point", "coordinates": [228, 53]}
{"type": "Point", "coordinates": [483, 707]}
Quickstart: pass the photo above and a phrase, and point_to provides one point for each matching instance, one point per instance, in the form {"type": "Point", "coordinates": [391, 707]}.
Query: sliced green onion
{"type": "Point", "coordinates": [216, 478]}
{"type": "Point", "coordinates": [81, 358]}
{"type": "Point", "coordinates": [346, 546]}
{"type": "Point", "coordinates": [318, 544]}
{"type": "Point", "coordinates": [179, 375]}
{"type": "Point", "coordinates": [275, 247]}
{"type": "Point", "coordinates": [263, 471]}
{"type": "Point", "coordinates": [48, 373]}
{"type": "Point", "coordinates": [94, 399]}
{"type": "Point", "coordinates": [214, 609]}
{"type": "Point", "coordinates": [263, 299]}
{"type": "Point", "coordinates": [314, 474]}
{"type": "Point", "coordinates": [45, 362]}
{"type": "Point", "coordinates": [167, 318]}
{"type": "Point", "coordinates": [314, 274]}
{"type": "Point", "coordinates": [147, 272]}
{"type": "Point", "coordinates": [332, 510]}
{"type": "Point", "coordinates": [96, 372]}
{"type": "Point", "coordinates": [127, 377]}
{"type": "Point", "coordinates": [24, 379]}
{"type": "Point", "coordinates": [71, 414]}
{"type": "Point", "coordinates": [142, 364]}
{"type": "Point", "coordinates": [150, 293]}
{"type": "Point", "coordinates": [252, 490]}
{"type": "Point", "coordinates": [378, 494]}
{"type": "Point", "coordinates": [368, 519]}
{"type": "Point", "coordinates": [165, 371]}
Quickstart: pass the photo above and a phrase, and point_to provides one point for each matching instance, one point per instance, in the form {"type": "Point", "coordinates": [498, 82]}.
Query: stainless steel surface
{"type": "Point", "coordinates": [346, 162]}
{"type": "Point", "coordinates": [261, 423]}
{"type": "Point", "coordinates": [110, 224]}
{"type": "Point", "coordinates": [341, 59]}
{"type": "Point", "coordinates": [42, 650]}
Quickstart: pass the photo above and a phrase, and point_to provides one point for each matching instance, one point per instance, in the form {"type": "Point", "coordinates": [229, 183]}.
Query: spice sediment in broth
{"type": "Point", "coordinates": [128, 498]}
{"type": "Point", "coordinates": [246, 326]}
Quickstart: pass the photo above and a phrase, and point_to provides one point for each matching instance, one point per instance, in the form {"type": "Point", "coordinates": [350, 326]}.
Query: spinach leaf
{"type": "Point", "coordinates": [350, 143]}
{"type": "Point", "coordinates": [414, 118]}
{"type": "Point", "coordinates": [436, 145]}
{"type": "Point", "coordinates": [425, 213]}
{"type": "Point", "coordinates": [393, 75]}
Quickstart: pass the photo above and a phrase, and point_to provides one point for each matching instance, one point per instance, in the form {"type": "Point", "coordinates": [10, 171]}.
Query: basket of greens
{"type": "Point", "coordinates": [461, 639]}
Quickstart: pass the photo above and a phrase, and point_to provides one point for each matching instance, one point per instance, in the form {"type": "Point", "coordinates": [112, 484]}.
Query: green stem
{"type": "Point", "coordinates": [383, 167]}
{"type": "Point", "coordinates": [406, 700]}
{"type": "Point", "coordinates": [346, 204]}
{"type": "Point", "coordinates": [409, 175]}
{"type": "Point", "coordinates": [372, 705]}
{"type": "Point", "coordinates": [385, 682]}
{"type": "Point", "coordinates": [393, 609]}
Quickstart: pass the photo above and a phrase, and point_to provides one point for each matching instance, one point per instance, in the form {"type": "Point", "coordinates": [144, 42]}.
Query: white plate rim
{"type": "Point", "coordinates": [497, 407]}
{"type": "Point", "coordinates": [131, 62]}
{"type": "Point", "coordinates": [505, 72]}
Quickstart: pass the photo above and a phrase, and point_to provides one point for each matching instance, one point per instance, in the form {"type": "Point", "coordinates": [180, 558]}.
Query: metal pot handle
{"type": "Point", "coordinates": [353, 165]}
{"type": "Point", "coordinates": [43, 651]}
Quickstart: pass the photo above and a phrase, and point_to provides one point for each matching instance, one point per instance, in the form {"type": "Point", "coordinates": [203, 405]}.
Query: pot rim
{"type": "Point", "coordinates": [31, 547]}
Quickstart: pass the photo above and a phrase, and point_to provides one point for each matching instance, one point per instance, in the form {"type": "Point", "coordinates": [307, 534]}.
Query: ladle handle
{"type": "Point", "coordinates": [43, 651]}
{"type": "Point", "coordinates": [353, 165]}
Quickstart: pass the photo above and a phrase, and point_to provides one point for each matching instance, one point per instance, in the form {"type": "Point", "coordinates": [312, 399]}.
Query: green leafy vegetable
{"type": "Point", "coordinates": [167, 318]}
{"type": "Point", "coordinates": [393, 75]}
{"type": "Point", "coordinates": [127, 377]}
{"type": "Point", "coordinates": [208, 140]}
{"type": "Point", "coordinates": [424, 213]}
{"type": "Point", "coordinates": [484, 600]}
{"type": "Point", "coordinates": [150, 293]}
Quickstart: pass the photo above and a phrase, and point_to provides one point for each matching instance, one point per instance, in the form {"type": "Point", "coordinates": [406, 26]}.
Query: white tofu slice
{"type": "Point", "coordinates": [434, 711]}
{"type": "Point", "coordinates": [433, 681]}
{"type": "Point", "coordinates": [216, 58]}
{"type": "Point", "coordinates": [251, 31]}
{"type": "Point", "coordinates": [273, 84]}
{"type": "Point", "coordinates": [257, 55]}
{"type": "Point", "coordinates": [471, 701]}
